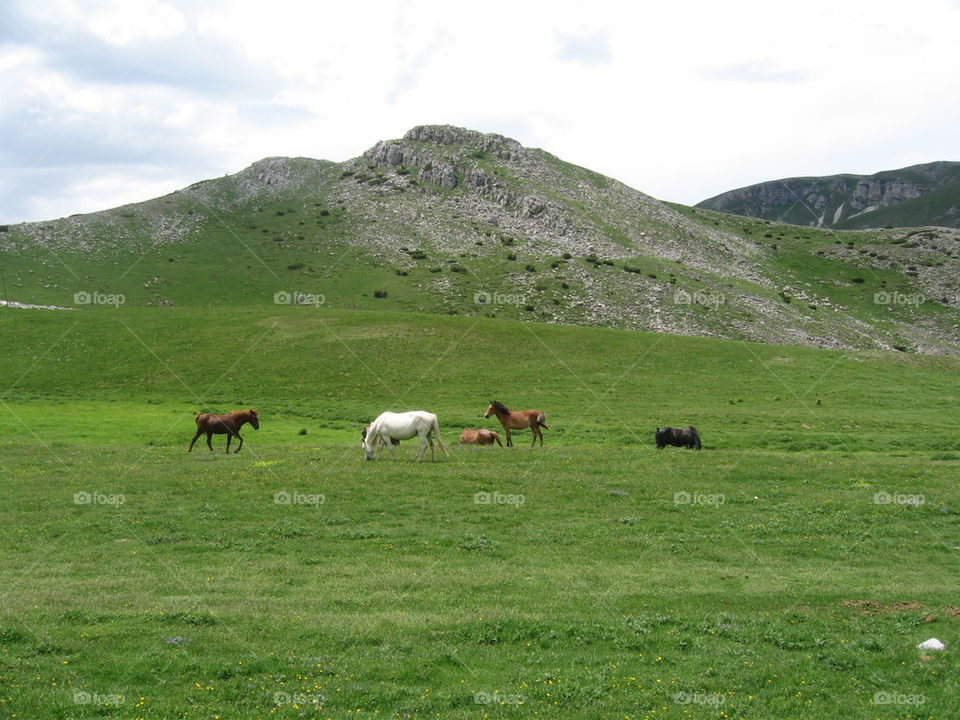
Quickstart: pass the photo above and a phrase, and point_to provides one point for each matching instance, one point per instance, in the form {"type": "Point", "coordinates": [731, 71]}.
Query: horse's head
{"type": "Point", "coordinates": [495, 406]}
{"type": "Point", "coordinates": [368, 446]}
{"type": "Point", "coordinates": [369, 442]}
{"type": "Point", "coordinates": [253, 418]}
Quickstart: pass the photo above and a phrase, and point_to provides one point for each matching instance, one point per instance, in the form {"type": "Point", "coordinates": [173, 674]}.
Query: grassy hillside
{"type": "Point", "coordinates": [447, 221]}
{"type": "Point", "coordinates": [787, 570]}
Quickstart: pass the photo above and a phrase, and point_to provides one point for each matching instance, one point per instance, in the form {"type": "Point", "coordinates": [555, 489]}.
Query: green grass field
{"type": "Point", "coordinates": [787, 570]}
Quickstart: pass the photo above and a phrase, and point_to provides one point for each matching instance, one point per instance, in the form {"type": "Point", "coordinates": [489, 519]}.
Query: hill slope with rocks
{"type": "Point", "coordinates": [449, 220]}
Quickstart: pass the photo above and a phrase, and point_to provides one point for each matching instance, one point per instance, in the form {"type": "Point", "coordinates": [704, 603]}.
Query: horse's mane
{"type": "Point", "coordinates": [499, 406]}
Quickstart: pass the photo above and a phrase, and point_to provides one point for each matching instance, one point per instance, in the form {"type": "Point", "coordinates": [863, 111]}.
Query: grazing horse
{"type": "Point", "coordinates": [366, 429]}
{"type": "Point", "coordinates": [533, 419]}
{"type": "Point", "coordinates": [391, 426]}
{"type": "Point", "coordinates": [687, 437]}
{"type": "Point", "coordinates": [228, 424]}
{"type": "Point", "coordinates": [479, 437]}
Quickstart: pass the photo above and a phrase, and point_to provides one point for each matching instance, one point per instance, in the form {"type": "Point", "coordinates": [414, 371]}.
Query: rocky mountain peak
{"type": "Point", "coordinates": [452, 135]}
{"type": "Point", "coordinates": [450, 149]}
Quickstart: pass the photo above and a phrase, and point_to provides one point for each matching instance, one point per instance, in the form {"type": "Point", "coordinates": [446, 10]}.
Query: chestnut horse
{"type": "Point", "coordinates": [479, 437]}
{"type": "Point", "coordinates": [533, 419]}
{"type": "Point", "coordinates": [228, 424]}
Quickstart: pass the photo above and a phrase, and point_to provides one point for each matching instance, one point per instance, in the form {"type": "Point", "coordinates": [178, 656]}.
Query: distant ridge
{"type": "Point", "coordinates": [919, 195]}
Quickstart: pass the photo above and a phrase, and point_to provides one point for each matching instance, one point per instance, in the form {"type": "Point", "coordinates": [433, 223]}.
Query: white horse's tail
{"type": "Point", "coordinates": [436, 434]}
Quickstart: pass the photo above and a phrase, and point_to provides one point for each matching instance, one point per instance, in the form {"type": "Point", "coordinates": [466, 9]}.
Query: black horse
{"type": "Point", "coordinates": [686, 437]}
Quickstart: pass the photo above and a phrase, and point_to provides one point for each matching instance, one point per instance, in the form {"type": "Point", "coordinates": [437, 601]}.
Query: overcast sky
{"type": "Point", "coordinates": [114, 101]}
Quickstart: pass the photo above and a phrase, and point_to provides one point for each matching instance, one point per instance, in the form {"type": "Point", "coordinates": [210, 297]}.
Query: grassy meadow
{"type": "Point", "coordinates": [787, 570]}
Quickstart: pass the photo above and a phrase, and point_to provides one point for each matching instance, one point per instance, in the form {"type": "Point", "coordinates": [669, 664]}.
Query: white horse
{"type": "Point", "coordinates": [403, 426]}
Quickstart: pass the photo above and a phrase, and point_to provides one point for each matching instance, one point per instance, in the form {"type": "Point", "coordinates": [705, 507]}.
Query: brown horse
{"type": "Point", "coordinates": [366, 429]}
{"type": "Point", "coordinates": [479, 437]}
{"type": "Point", "coordinates": [533, 419]}
{"type": "Point", "coordinates": [228, 424]}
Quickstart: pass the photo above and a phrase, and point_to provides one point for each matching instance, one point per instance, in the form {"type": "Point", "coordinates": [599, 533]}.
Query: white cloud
{"type": "Point", "coordinates": [589, 48]}
{"type": "Point", "coordinates": [117, 22]}
{"type": "Point", "coordinates": [123, 22]}
{"type": "Point", "coordinates": [97, 188]}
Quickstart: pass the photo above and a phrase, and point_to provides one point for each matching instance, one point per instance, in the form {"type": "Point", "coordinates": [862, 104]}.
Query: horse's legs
{"type": "Point", "coordinates": [389, 443]}
{"type": "Point", "coordinates": [509, 441]}
{"type": "Point", "coordinates": [540, 435]}
{"type": "Point", "coordinates": [229, 438]}
{"type": "Point", "coordinates": [239, 437]}
{"type": "Point", "coordinates": [209, 437]}
{"type": "Point", "coordinates": [423, 447]}
{"type": "Point", "coordinates": [433, 456]}
{"type": "Point", "coordinates": [199, 433]}
{"type": "Point", "coordinates": [535, 431]}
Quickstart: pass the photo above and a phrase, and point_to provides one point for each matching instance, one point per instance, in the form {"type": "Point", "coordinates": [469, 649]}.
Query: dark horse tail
{"type": "Point", "coordinates": [542, 421]}
{"type": "Point", "coordinates": [694, 437]}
